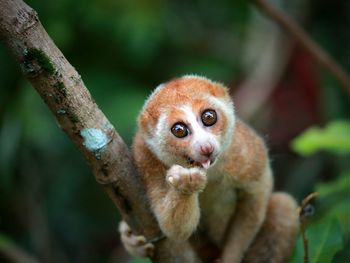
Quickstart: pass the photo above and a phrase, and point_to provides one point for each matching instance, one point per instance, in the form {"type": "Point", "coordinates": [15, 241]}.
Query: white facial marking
{"type": "Point", "coordinates": [200, 137]}
{"type": "Point", "coordinates": [228, 110]}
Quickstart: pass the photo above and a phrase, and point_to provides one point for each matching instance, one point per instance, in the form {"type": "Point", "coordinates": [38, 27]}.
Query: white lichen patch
{"type": "Point", "coordinates": [94, 139]}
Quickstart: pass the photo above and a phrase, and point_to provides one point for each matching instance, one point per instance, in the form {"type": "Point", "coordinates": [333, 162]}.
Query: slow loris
{"type": "Point", "coordinates": [205, 169]}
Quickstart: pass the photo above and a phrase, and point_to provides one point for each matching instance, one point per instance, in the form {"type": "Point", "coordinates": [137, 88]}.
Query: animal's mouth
{"type": "Point", "coordinates": [204, 164]}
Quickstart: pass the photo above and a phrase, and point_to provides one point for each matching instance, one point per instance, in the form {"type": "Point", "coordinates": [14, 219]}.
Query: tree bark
{"type": "Point", "coordinates": [64, 92]}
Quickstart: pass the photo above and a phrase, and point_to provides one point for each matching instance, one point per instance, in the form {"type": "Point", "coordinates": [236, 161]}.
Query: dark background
{"type": "Point", "coordinates": [50, 205]}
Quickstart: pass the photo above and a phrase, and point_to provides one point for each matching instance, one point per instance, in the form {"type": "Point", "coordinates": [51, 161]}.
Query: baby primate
{"type": "Point", "coordinates": [205, 169]}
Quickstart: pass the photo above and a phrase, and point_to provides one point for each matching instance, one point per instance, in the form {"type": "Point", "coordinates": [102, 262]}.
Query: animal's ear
{"type": "Point", "coordinates": [219, 90]}
{"type": "Point", "coordinates": [144, 121]}
{"type": "Point", "coordinates": [147, 122]}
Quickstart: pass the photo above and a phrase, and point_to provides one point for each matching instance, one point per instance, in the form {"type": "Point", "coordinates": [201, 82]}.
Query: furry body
{"type": "Point", "coordinates": [204, 170]}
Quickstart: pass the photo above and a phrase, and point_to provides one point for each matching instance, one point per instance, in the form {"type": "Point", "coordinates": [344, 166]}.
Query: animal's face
{"type": "Point", "coordinates": [188, 124]}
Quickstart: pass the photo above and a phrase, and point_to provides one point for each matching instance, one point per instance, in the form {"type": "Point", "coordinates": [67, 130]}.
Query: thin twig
{"type": "Point", "coordinates": [304, 213]}
{"type": "Point", "coordinates": [305, 241]}
{"type": "Point", "coordinates": [318, 54]}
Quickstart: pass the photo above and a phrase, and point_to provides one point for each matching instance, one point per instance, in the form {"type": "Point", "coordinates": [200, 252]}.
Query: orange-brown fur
{"type": "Point", "coordinates": [236, 210]}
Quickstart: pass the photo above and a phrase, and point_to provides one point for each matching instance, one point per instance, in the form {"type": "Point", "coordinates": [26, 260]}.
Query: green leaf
{"type": "Point", "coordinates": [324, 241]}
{"type": "Point", "coordinates": [140, 260]}
{"type": "Point", "coordinates": [341, 211]}
{"type": "Point", "coordinates": [335, 198]}
{"type": "Point", "coordinates": [341, 184]}
{"type": "Point", "coordinates": [335, 138]}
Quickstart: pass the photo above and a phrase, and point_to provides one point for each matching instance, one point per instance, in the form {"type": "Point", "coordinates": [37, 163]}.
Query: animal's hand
{"type": "Point", "coordinates": [187, 180]}
{"type": "Point", "coordinates": [135, 245]}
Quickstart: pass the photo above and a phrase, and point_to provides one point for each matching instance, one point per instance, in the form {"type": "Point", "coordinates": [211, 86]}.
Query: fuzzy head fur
{"type": "Point", "coordinates": [183, 100]}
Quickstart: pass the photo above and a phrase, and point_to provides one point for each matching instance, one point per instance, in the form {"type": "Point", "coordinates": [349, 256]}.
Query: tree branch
{"type": "Point", "coordinates": [318, 54]}
{"type": "Point", "coordinates": [64, 92]}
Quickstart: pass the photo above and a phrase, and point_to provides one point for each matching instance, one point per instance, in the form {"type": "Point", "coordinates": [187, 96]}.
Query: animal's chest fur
{"type": "Point", "coordinates": [217, 203]}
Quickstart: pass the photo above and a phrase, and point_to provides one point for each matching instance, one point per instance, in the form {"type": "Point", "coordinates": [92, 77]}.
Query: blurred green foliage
{"type": "Point", "coordinates": [329, 233]}
{"type": "Point", "coordinates": [325, 241]}
{"type": "Point", "coordinates": [334, 138]}
{"type": "Point", "coordinates": [50, 204]}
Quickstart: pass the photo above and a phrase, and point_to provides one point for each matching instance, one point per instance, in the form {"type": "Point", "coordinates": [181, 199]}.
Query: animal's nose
{"type": "Point", "coordinates": [207, 149]}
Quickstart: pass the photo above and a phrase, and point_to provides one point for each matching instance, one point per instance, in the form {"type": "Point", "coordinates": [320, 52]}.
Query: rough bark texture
{"type": "Point", "coordinates": [63, 90]}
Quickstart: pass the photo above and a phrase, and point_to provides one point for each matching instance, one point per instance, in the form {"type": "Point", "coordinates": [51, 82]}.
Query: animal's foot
{"type": "Point", "coordinates": [135, 245]}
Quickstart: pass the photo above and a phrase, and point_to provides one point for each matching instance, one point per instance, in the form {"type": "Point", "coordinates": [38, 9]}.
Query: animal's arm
{"type": "Point", "coordinates": [177, 213]}
{"type": "Point", "coordinates": [251, 211]}
{"type": "Point", "coordinates": [249, 171]}
{"type": "Point", "coordinates": [173, 192]}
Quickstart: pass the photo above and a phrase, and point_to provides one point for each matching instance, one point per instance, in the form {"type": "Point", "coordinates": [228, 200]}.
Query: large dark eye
{"type": "Point", "coordinates": [209, 117]}
{"type": "Point", "coordinates": [180, 130]}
